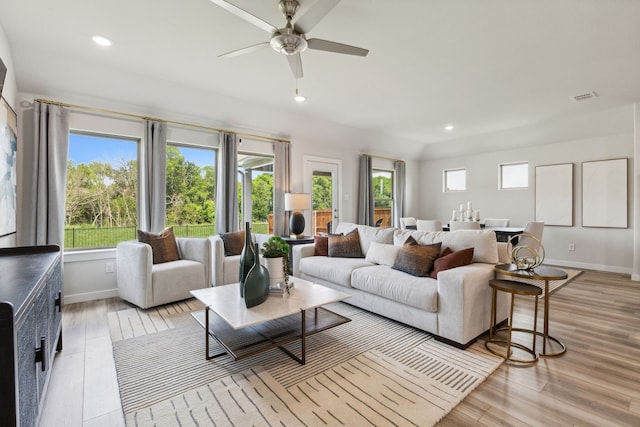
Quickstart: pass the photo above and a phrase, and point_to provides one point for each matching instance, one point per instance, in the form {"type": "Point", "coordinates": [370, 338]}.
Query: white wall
{"type": "Point", "coordinates": [9, 93]}
{"type": "Point", "coordinates": [605, 249]}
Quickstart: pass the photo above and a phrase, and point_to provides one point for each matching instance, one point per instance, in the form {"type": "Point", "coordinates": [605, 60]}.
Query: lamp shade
{"type": "Point", "coordinates": [296, 201]}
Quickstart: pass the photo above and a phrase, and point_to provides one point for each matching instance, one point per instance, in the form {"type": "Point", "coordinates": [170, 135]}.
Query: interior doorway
{"type": "Point", "coordinates": [322, 180]}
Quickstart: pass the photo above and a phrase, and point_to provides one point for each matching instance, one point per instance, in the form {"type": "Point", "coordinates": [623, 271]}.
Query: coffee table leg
{"type": "Point", "coordinates": [304, 335]}
{"type": "Point", "coordinates": [206, 331]}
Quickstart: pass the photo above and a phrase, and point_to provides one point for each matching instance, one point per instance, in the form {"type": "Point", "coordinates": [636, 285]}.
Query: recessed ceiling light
{"type": "Point", "coordinates": [101, 41]}
{"type": "Point", "coordinates": [448, 127]}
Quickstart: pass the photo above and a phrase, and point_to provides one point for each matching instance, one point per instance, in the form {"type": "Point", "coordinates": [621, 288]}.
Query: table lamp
{"type": "Point", "coordinates": [296, 202]}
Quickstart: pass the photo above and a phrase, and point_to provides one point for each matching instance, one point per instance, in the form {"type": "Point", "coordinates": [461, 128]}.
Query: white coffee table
{"type": "Point", "coordinates": [244, 332]}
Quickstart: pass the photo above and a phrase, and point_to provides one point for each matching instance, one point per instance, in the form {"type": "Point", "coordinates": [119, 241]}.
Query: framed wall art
{"type": "Point", "coordinates": [604, 193]}
{"type": "Point", "coordinates": [8, 177]}
{"type": "Point", "coordinates": [554, 194]}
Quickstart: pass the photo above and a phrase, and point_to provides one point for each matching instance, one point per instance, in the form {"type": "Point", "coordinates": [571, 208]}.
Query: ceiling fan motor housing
{"type": "Point", "coordinates": [288, 41]}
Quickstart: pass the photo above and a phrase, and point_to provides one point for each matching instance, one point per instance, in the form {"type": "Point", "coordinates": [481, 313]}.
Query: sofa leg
{"type": "Point", "coordinates": [453, 343]}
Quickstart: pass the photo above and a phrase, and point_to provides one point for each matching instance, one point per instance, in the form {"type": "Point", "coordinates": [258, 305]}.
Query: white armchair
{"type": "Point", "coordinates": [428, 225]}
{"type": "Point", "coordinates": [146, 284]}
{"type": "Point", "coordinates": [226, 269]}
{"type": "Point", "coordinates": [496, 222]}
{"type": "Point", "coordinates": [464, 225]}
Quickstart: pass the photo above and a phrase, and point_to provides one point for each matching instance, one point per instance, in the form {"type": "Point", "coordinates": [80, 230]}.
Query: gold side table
{"type": "Point", "coordinates": [513, 288]}
{"type": "Point", "coordinates": [545, 274]}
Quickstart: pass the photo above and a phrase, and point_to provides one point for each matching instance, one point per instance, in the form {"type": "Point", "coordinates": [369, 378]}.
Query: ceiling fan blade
{"type": "Point", "coordinates": [327, 46]}
{"type": "Point", "coordinates": [310, 19]}
{"type": "Point", "coordinates": [241, 13]}
{"type": "Point", "coordinates": [244, 50]}
{"type": "Point", "coordinates": [295, 62]}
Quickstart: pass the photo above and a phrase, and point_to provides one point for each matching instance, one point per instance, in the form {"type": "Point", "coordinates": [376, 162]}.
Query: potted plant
{"type": "Point", "coordinates": [276, 255]}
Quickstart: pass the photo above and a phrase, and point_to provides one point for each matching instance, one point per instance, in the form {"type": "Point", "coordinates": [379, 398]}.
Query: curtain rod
{"type": "Point", "coordinates": [137, 116]}
{"type": "Point", "coordinates": [381, 157]}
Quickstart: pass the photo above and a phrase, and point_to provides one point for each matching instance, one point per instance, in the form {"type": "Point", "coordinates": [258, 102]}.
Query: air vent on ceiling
{"type": "Point", "coordinates": [584, 96]}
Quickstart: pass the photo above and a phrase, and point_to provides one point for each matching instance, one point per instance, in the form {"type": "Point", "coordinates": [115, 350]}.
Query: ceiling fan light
{"type": "Point", "coordinates": [298, 97]}
{"type": "Point", "coordinates": [288, 43]}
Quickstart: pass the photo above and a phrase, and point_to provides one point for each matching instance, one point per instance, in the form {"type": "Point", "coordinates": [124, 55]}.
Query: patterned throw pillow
{"type": "Point", "coordinates": [347, 246]}
{"type": "Point", "coordinates": [233, 242]}
{"type": "Point", "coordinates": [451, 259]}
{"type": "Point", "coordinates": [163, 245]}
{"type": "Point", "coordinates": [416, 259]}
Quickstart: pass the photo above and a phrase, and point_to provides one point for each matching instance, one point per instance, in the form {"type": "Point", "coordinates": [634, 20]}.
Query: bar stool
{"type": "Point", "coordinates": [513, 288]}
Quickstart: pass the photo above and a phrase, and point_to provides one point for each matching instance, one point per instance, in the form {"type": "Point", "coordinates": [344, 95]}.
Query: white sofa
{"type": "Point", "coordinates": [226, 269]}
{"type": "Point", "coordinates": [455, 307]}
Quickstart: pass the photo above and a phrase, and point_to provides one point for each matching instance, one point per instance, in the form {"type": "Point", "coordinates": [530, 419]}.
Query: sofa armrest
{"type": "Point", "coordinates": [133, 272]}
{"type": "Point", "coordinates": [299, 252]}
{"type": "Point", "coordinates": [217, 260]}
{"type": "Point", "coordinates": [196, 249]}
{"type": "Point", "coordinates": [464, 302]}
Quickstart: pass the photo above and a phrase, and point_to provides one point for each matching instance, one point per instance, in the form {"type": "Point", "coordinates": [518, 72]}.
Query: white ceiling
{"type": "Point", "coordinates": [496, 69]}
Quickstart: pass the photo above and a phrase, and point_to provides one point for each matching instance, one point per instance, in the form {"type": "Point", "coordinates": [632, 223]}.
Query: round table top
{"type": "Point", "coordinates": [539, 273]}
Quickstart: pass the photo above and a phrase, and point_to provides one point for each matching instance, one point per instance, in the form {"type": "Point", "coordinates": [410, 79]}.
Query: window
{"type": "Point", "coordinates": [382, 183]}
{"type": "Point", "coordinates": [255, 191]}
{"type": "Point", "coordinates": [102, 178]}
{"type": "Point", "coordinates": [514, 175]}
{"type": "Point", "coordinates": [190, 198]}
{"type": "Point", "coordinates": [454, 180]}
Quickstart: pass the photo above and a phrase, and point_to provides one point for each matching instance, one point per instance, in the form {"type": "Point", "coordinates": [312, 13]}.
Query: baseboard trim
{"type": "Point", "coordinates": [90, 296]}
{"type": "Point", "coordinates": [588, 266]}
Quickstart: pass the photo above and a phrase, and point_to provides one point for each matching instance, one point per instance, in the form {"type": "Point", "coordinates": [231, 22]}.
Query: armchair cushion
{"type": "Point", "coordinates": [163, 245]}
{"type": "Point", "coordinates": [233, 242]}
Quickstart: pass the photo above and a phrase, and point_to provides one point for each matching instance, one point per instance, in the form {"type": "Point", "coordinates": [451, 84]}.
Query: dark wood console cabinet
{"type": "Point", "coordinates": [30, 329]}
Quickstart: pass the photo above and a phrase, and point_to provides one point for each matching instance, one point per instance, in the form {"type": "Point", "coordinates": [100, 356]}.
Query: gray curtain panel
{"type": "Point", "coordinates": [227, 185]}
{"type": "Point", "coordinates": [365, 191]}
{"type": "Point", "coordinates": [44, 178]}
{"type": "Point", "coordinates": [399, 191]}
{"type": "Point", "coordinates": [281, 185]}
{"type": "Point", "coordinates": [153, 177]}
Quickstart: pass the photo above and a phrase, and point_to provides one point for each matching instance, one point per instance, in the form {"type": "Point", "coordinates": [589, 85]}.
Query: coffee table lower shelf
{"type": "Point", "coordinates": [252, 340]}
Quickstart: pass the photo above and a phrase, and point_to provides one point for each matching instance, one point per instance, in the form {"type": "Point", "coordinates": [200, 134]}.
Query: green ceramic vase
{"type": "Point", "coordinates": [247, 258]}
{"type": "Point", "coordinates": [256, 284]}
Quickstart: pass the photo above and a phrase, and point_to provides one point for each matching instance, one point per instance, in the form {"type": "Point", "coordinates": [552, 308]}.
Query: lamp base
{"type": "Point", "coordinates": [296, 224]}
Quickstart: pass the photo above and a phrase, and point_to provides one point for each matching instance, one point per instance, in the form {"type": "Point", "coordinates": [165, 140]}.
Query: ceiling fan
{"type": "Point", "coordinates": [291, 40]}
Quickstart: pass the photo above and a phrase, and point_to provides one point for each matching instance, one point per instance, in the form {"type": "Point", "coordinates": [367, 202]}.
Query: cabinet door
{"type": "Point", "coordinates": [27, 375]}
{"type": "Point", "coordinates": [42, 336]}
{"type": "Point", "coordinates": [54, 285]}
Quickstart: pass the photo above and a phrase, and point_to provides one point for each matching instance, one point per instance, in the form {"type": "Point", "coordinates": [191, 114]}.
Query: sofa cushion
{"type": "Point", "coordinates": [450, 260]}
{"type": "Point", "coordinates": [380, 253]}
{"type": "Point", "coordinates": [163, 245]}
{"type": "Point", "coordinates": [335, 270]}
{"type": "Point", "coordinates": [419, 292]}
{"type": "Point", "coordinates": [367, 234]}
{"type": "Point", "coordinates": [416, 259]}
{"type": "Point", "coordinates": [483, 242]}
{"type": "Point", "coordinates": [345, 246]}
{"type": "Point", "coordinates": [233, 242]}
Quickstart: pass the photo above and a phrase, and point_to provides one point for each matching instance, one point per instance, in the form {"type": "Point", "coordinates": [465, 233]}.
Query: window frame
{"type": "Point", "coordinates": [392, 200]}
{"type": "Point", "coordinates": [501, 167]}
{"type": "Point", "coordinates": [445, 180]}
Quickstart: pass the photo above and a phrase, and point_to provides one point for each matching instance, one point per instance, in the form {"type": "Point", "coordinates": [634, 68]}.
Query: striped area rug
{"type": "Point", "coordinates": [371, 370]}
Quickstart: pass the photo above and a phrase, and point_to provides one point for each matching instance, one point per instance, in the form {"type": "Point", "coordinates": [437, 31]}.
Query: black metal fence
{"type": "Point", "coordinates": [109, 237]}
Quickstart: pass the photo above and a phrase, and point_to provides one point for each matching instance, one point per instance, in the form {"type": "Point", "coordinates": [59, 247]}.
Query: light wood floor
{"type": "Point", "coordinates": [597, 382]}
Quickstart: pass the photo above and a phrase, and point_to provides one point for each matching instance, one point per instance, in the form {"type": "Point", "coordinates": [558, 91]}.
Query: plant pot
{"type": "Point", "coordinates": [276, 269]}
